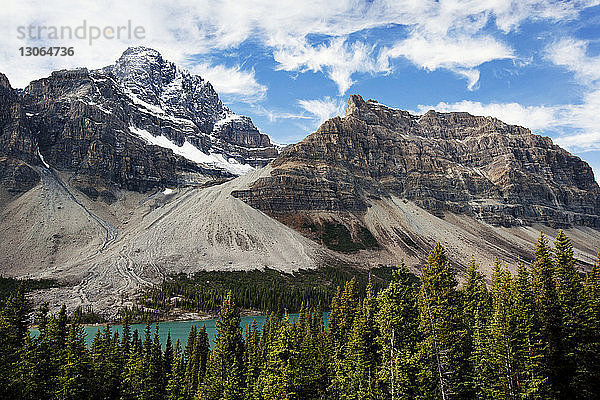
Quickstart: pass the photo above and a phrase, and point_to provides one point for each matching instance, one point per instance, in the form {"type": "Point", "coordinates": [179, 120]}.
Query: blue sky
{"type": "Point", "coordinates": [290, 65]}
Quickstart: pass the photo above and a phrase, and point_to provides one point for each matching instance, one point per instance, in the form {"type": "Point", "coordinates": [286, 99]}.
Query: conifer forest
{"type": "Point", "coordinates": [530, 331]}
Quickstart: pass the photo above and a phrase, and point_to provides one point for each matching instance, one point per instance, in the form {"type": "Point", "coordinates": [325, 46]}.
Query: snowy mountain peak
{"type": "Point", "coordinates": [190, 110]}
{"type": "Point", "coordinates": [148, 77]}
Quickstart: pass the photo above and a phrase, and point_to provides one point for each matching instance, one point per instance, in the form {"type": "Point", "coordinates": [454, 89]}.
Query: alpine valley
{"type": "Point", "coordinates": [111, 179]}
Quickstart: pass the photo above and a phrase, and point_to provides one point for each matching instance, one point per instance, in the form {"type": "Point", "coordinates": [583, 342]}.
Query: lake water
{"type": "Point", "coordinates": [180, 329]}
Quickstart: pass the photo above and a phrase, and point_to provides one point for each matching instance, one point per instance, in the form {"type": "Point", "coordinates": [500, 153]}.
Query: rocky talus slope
{"type": "Point", "coordinates": [101, 190]}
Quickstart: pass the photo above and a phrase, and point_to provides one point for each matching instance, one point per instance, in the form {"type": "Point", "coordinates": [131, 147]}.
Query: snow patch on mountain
{"type": "Point", "coordinates": [192, 153]}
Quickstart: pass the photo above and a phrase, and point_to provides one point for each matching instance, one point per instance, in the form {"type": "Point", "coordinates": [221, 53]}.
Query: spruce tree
{"type": "Point", "coordinates": [398, 322]}
{"type": "Point", "coordinates": [227, 371]}
{"type": "Point", "coordinates": [253, 359]}
{"type": "Point", "coordinates": [73, 382]}
{"type": "Point", "coordinates": [157, 373]}
{"type": "Point", "coordinates": [588, 367]}
{"type": "Point", "coordinates": [13, 332]}
{"type": "Point", "coordinates": [548, 321]}
{"type": "Point", "coordinates": [532, 381]}
{"type": "Point", "coordinates": [28, 378]}
{"type": "Point", "coordinates": [176, 385]}
{"type": "Point", "coordinates": [502, 352]}
{"type": "Point", "coordinates": [570, 296]}
{"type": "Point", "coordinates": [442, 350]}
{"type": "Point", "coordinates": [279, 378]}
{"type": "Point", "coordinates": [476, 311]}
{"type": "Point", "coordinates": [196, 364]}
{"type": "Point", "coordinates": [168, 357]}
{"type": "Point", "coordinates": [343, 309]}
{"type": "Point", "coordinates": [358, 375]}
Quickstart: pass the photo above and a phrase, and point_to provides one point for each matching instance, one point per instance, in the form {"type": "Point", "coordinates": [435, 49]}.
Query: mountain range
{"type": "Point", "coordinates": [112, 178]}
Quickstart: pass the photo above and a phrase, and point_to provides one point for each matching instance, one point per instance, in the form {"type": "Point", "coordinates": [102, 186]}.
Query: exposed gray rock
{"type": "Point", "coordinates": [455, 162]}
{"type": "Point", "coordinates": [141, 123]}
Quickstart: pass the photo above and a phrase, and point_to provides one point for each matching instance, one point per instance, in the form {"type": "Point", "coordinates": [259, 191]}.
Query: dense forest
{"type": "Point", "coordinates": [261, 290]}
{"type": "Point", "coordinates": [534, 334]}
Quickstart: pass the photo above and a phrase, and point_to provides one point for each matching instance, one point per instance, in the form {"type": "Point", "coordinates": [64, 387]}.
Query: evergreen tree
{"type": "Point", "coordinates": [358, 376]}
{"type": "Point", "coordinates": [51, 354]}
{"type": "Point", "coordinates": [442, 350]}
{"type": "Point", "coordinates": [476, 311]}
{"type": "Point", "coordinates": [502, 352]}
{"type": "Point", "coordinates": [27, 377]}
{"type": "Point", "coordinates": [253, 360]}
{"type": "Point", "coordinates": [531, 380]}
{"type": "Point", "coordinates": [106, 365]}
{"type": "Point", "coordinates": [196, 364]}
{"type": "Point", "coordinates": [548, 321]}
{"type": "Point", "coordinates": [227, 372]}
{"type": "Point", "coordinates": [397, 320]}
{"type": "Point", "coordinates": [13, 333]}
{"type": "Point", "coordinates": [570, 296]}
{"type": "Point", "coordinates": [135, 376]}
{"type": "Point", "coordinates": [125, 338]}
{"type": "Point", "coordinates": [279, 378]}
{"type": "Point", "coordinates": [343, 309]}
{"type": "Point", "coordinates": [588, 369]}
{"type": "Point", "coordinates": [476, 297]}
{"type": "Point", "coordinates": [157, 374]}
{"type": "Point", "coordinates": [73, 382]}
{"type": "Point", "coordinates": [176, 386]}
{"type": "Point", "coordinates": [168, 357]}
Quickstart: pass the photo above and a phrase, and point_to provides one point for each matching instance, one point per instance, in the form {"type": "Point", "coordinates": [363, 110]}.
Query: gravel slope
{"type": "Point", "coordinates": [106, 253]}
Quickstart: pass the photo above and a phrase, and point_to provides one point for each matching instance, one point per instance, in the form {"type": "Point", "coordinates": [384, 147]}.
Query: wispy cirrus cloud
{"type": "Point", "coordinates": [181, 29]}
{"type": "Point", "coordinates": [337, 59]}
{"type": "Point", "coordinates": [570, 54]}
{"type": "Point", "coordinates": [460, 55]}
{"type": "Point", "coordinates": [323, 109]}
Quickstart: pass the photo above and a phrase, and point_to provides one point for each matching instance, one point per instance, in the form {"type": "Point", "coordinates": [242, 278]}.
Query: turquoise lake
{"type": "Point", "coordinates": [180, 329]}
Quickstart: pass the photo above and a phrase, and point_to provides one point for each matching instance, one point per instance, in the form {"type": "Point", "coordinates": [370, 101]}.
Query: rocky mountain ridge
{"type": "Point", "coordinates": [479, 166]}
{"type": "Point", "coordinates": [139, 124]}
{"type": "Point", "coordinates": [113, 178]}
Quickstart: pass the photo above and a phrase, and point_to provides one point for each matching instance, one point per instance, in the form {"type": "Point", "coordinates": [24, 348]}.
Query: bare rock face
{"type": "Point", "coordinates": [139, 124]}
{"type": "Point", "coordinates": [17, 143]}
{"type": "Point", "coordinates": [443, 162]}
{"type": "Point", "coordinates": [173, 95]}
{"type": "Point", "coordinates": [16, 138]}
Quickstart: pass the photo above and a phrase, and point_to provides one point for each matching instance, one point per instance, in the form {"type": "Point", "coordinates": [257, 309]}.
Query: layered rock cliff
{"type": "Point", "coordinates": [443, 162]}
{"type": "Point", "coordinates": [373, 187]}
{"type": "Point", "coordinates": [139, 124]}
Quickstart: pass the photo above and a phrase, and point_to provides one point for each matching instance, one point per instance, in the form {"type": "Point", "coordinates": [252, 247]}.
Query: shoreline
{"type": "Point", "coordinates": [183, 317]}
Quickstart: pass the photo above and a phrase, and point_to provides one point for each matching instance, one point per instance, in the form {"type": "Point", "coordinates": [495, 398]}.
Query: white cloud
{"type": "Point", "coordinates": [571, 54]}
{"type": "Point", "coordinates": [323, 109]}
{"type": "Point", "coordinates": [181, 29]}
{"type": "Point", "coordinates": [338, 59]}
{"type": "Point", "coordinates": [274, 115]}
{"type": "Point", "coordinates": [232, 82]}
{"type": "Point", "coordinates": [458, 54]}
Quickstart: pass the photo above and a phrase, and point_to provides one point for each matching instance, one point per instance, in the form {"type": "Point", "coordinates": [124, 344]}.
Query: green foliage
{"type": "Point", "coordinates": [337, 237]}
{"type": "Point", "coordinates": [398, 334]}
{"type": "Point", "coordinates": [442, 349]}
{"type": "Point", "coordinates": [263, 290]}
{"type": "Point", "coordinates": [226, 378]}
{"type": "Point", "coordinates": [530, 335]}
